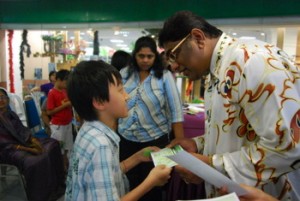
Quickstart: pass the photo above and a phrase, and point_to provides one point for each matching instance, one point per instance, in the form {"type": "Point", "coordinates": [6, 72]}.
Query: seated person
{"type": "Point", "coordinates": [39, 160]}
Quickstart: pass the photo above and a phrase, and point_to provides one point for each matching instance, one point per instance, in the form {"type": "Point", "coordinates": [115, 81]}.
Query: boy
{"type": "Point", "coordinates": [96, 92]}
{"type": "Point", "coordinates": [60, 110]}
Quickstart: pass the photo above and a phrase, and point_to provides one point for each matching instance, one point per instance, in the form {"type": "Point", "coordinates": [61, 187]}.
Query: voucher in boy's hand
{"type": "Point", "coordinates": [159, 157]}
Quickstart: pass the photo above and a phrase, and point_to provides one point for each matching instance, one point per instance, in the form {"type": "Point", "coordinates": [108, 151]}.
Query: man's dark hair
{"type": "Point", "coordinates": [90, 80]}
{"type": "Point", "coordinates": [146, 42]}
{"type": "Point", "coordinates": [52, 73]}
{"type": "Point", "coordinates": [181, 24]}
{"type": "Point", "coordinates": [62, 74]}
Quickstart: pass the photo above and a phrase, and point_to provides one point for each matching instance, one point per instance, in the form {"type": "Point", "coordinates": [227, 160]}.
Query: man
{"type": "Point", "coordinates": [251, 101]}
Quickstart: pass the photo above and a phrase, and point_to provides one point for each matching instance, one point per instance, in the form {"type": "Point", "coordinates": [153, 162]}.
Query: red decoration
{"type": "Point", "coordinates": [10, 62]}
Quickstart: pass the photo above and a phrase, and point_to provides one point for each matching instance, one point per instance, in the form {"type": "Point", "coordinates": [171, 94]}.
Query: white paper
{"type": "Point", "coordinates": [160, 157]}
{"type": "Point", "coordinates": [206, 172]}
{"type": "Point", "coordinates": [228, 197]}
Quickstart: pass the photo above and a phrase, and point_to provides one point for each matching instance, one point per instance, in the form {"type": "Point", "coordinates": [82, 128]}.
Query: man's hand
{"type": "Point", "coordinates": [186, 143]}
{"type": "Point", "coordinates": [188, 176]}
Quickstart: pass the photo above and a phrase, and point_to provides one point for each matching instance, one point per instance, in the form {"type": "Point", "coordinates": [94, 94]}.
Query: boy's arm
{"type": "Point", "coordinates": [59, 108]}
{"type": "Point", "coordinates": [141, 156]}
{"type": "Point", "coordinates": [158, 176]}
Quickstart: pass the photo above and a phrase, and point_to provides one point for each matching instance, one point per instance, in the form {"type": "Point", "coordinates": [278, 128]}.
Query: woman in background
{"type": "Point", "coordinates": [154, 106]}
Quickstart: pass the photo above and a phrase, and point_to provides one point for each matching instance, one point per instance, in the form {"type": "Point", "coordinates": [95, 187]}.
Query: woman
{"type": "Point", "coordinates": [39, 160]}
{"type": "Point", "coordinates": [154, 109]}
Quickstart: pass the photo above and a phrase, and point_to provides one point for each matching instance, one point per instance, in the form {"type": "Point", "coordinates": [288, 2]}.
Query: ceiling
{"type": "Point", "coordinates": [123, 35]}
{"type": "Point", "coordinates": [107, 11]}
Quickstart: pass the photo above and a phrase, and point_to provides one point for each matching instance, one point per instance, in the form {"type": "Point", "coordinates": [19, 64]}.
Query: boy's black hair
{"type": "Point", "coordinates": [90, 80]}
{"type": "Point", "coordinates": [62, 74]}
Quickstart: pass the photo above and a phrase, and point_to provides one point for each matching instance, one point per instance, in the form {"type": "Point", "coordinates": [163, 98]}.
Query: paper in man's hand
{"type": "Point", "coordinates": [206, 172]}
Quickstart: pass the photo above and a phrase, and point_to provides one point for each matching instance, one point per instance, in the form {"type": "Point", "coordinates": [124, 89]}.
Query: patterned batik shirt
{"type": "Point", "coordinates": [252, 104]}
{"type": "Point", "coordinates": [153, 106]}
{"type": "Point", "coordinates": [94, 172]}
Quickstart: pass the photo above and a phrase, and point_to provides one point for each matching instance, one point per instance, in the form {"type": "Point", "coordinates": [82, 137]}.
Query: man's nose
{"type": "Point", "coordinates": [174, 66]}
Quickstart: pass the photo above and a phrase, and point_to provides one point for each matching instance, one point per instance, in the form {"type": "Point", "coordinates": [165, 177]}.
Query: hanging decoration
{"type": "Point", "coordinates": [25, 47]}
{"type": "Point", "coordinates": [96, 44]}
{"type": "Point", "coordinates": [10, 62]}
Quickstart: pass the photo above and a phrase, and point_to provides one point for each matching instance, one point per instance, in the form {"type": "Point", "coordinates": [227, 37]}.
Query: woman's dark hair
{"type": "Point", "coordinates": [4, 92]}
{"type": "Point", "coordinates": [120, 59]}
{"type": "Point", "coordinates": [146, 42]}
{"type": "Point", "coordinates": [90, 80]}
{"type": "Point", "coordinates": [181, 24]}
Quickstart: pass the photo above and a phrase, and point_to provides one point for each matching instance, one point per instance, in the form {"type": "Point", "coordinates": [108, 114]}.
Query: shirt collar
{"type": "Point", "coordinates": [224, 41]}
{"type": "Point", "coordinates": [106, 130]}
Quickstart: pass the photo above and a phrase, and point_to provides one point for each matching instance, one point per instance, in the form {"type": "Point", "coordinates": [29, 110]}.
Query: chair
{"type": "Point", "coordinates": [16, 105]}
{"type": "Point", "coordinates": [33, 119]}
{"type": "Point", "coordinates": [42, 100]}
{"type": "Point", "coordinates": [8, 172]}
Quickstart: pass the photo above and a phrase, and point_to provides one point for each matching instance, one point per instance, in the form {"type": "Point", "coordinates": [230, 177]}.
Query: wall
{"type": "Point", "coordinates": [3, 59]}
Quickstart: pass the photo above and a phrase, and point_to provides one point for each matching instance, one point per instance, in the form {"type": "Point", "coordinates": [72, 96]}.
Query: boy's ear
{"type": "Point", "coordinates": [98, 104]}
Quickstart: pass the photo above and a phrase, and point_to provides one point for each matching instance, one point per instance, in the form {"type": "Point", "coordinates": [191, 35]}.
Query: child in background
{"type": "Point", "coordinates": [60, 109]}
{"type": "Point", "coordinates": [97, 94]}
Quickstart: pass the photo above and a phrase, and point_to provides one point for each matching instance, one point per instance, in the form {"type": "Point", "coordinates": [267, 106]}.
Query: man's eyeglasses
{"type": "Point", "coordinates": [172, 55]}
{"type": "Point", "coordinates": [3, 97]}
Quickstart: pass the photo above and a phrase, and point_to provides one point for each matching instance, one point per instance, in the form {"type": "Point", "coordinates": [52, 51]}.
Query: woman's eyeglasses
{"type": "Point", "coordinates": [172, 55]}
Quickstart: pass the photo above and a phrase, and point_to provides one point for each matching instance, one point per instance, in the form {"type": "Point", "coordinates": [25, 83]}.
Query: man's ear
{"type": "Point", "coordinates": [99, 105]}
{"type": "Point", "coordinates": [199, 36]}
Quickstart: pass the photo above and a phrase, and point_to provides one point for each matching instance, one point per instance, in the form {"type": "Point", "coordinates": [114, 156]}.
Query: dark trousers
{"type": "Point", "coordinates": [137, 174]}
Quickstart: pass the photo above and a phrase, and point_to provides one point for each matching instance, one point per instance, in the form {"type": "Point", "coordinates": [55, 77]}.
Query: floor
{"type": "Point", "coordinates": [11, 187]}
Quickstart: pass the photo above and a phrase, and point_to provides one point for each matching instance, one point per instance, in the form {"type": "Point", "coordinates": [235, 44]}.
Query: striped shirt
{"type": "Point", "coordinates": [94, 172]}
{"type": "Point", "coordinates": [153, 106]}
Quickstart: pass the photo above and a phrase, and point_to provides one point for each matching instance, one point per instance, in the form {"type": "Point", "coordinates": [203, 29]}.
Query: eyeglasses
{"type": "Point", "coordinates": [149, 56]}
{"type": "Point", "coordinates": [3, 97]}
{"type": "Point", "coordinates": [172, 56]}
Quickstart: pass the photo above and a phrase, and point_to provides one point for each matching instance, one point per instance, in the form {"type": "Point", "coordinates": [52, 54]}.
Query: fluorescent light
{"type": "Point", "coordinates": [121, 45]}
{"type": "Point", "coordinates": [116, 41]}
{"type": "Point", "coordinates": [248, 37]}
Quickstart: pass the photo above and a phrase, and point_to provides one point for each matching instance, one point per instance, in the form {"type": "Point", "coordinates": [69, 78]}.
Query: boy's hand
{"type": "Point", "coordinates": [66, 103]}
{"type": "Point", "coordinates": [159, 175]}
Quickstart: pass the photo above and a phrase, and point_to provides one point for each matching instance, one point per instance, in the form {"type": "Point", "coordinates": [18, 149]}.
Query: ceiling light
{"type": "Point", "coordinates": [247, 37]}
{"type": "Point", "coordinates": [121, 45]}
{"type": "Point", "coordinates": [116, 41]}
